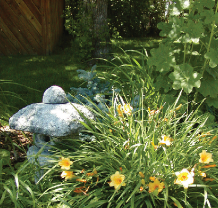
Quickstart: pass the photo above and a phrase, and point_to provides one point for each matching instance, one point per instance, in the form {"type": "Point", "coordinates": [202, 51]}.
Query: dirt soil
{"type": "Point", "coordinates": [17, 142]}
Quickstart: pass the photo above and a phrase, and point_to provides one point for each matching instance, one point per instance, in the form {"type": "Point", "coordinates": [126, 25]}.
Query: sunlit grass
{"type": "Point", "coordinates": [34, 74]}
{"type": "Point", "coordinates": [30, 76]}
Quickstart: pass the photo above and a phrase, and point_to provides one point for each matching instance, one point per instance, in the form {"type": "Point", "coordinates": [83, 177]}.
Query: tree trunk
{"type": "Point", "coordinates": [101, 35]}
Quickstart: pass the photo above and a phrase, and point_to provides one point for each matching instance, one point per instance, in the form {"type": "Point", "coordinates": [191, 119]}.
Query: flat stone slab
{"type": "Point", "coordinates": [55, 120]}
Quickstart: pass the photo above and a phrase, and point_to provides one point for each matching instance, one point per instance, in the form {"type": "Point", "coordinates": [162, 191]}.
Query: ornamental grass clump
{"type": "Point", "coordinates": [140, 159]}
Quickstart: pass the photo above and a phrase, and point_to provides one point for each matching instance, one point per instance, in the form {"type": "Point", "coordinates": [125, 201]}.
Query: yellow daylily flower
{"type": "Point", "coordinates": [65, 163]}
{"type": "Point", "coordinates": [117, 179]}
{"type": "Point", "coordinates": [67, 175]}
{"type": "Point", "coordinates": [184, 178]}
{"type": "Point", "coordinates": [152, 178]}
{"type": "Point", "coordinates": [127, 109]}
{"type": "Point", "coordinates": [141, 174]}
{"type": "Point", "coordinates": [205, 157]}
{"type": "Point", "coordinates": [119, 110]}
{"type": "Point", "coordinates": [156, 185]}
{"type": "Point", "coordinates": [166, 140]}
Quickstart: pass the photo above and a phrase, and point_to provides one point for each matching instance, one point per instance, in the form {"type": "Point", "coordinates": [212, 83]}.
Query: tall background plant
{"type": "Point", "coordinates": [187, 57]}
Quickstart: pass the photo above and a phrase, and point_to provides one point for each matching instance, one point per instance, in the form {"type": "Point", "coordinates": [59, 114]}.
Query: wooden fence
{"type": "Point", "coordinates": [30, 26]}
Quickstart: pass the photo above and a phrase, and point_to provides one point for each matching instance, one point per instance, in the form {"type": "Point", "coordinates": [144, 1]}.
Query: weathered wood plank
{"type": "Point", "coordinates": [29, 15]}
{"type": "Point", "coordinates": [34, 9]}
{"type": "Point", "coordinates": [46, 26]}
{"type": "Point", "coordinates": [32, 35]}
{"type": "Point", "coordinates": [30, 26]}
{"type": "Point", "coordinates": [53, 10]}
{"type": "Point", "coordinates": [61, 21]}
{"type": "Point", "coordinates": [37, 4]}
{"type": "Point", "coordinates": [6, 46]}
{"type": "Point", "coordinates": [11, 37]}
{"type": "Point", "coordinates": [25, 29]}
{"type": "Point", "coordinates": [54, 25]}
{"type": "Point", "coordinates": [13, 24]}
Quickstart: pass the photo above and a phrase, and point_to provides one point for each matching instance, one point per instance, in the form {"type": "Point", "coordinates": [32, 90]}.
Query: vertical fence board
{"type": "Point", "coordinates": [45, 25]}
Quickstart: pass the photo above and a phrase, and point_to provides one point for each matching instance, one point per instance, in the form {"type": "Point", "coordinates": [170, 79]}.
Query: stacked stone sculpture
{"type": "Point", "coordinates": [50, 120]}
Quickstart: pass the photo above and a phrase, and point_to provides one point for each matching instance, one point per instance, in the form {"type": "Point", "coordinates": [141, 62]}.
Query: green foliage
{"type": "Point", "coordinates": [5, 108]}
{"type": "Point", "coordinates": [89, 31]}
{"type": "Point", "coordinates": [5, 156]}
{"type": "Point", "coordinates": [212, 56]}
{"type": "Point", "coordinates": [185, 78]}
{"type": "Point", "coordinates": [132, 143]}
{"type": "Point", "coordinates": [79, 24]}
{"type": "Point", "coordinates": [16, 185]}
{"type": "Point", "coordinates": [135, 18]}
{"type": "Point", "coordinates": [36, 74]}
{"type": "Point", "coordinates": [189, 51]}
{"type": "Point", "coordinates": [161, 59]}
{"type": "Point", "coordinates": [128, 73]}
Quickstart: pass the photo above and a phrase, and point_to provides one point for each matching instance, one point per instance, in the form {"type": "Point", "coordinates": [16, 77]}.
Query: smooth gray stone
{"type": "Point", "coordinates": [42, 140]}
{"type": "Point", "coordinates": [55, 120]}
{"type": "Point", "coordinates": [42, 158]}
{"type": "Point", "coordinates": [54, 94]}
{"type": "Point", "coordinates": [40, 161]}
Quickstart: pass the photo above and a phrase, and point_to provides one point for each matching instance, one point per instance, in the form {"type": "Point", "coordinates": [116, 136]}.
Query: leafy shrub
{"type": "Point", "coordinates": [90, 32]}
{"type": "Point", "coordinates": [187, 58]}
{"type": "Point", "coordinates": [153, 158]}
{"type": "Point", "coordinates": [79, 24]}
{"type": "Point", "coordinates": [98, 92]}
{"type": "Point", "coordinates": [135, 18]}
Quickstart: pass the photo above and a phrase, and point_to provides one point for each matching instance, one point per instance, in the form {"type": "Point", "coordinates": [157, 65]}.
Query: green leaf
{"type": "Point", "coordinates": [209, 16]}
{"type": "Point", "coordinates": [185, 78]}
{"type": "Point", "coordinates": [173, 10]}
{"type": "Point", "coordinates": [209, 86]}
{"type": "Point", "coordinates": [5, 156]}
{"type": "Point", "coordinates": [176, 202]}
{"type": "Point", "coordinates": [184, 4]}
{"type": "Point", "coordinates": [177, 24]}
{"type": "Point", "coordinates": [178, 6]}
{"type": "Point", "coordinates": [212, 71]}
{"type": "Point", "coordinates": [200, 5]}
{"type": "Point", "coordinates": [162, 81]}
{"type": "Point", "coordinates": [162, 58]}
{"type": "Point", "coordinates": [165, 28]}
{"type": "Point", "coordinates": [193, 31]}
{"type": "Point", "coordinates": [212, 55]}
{"type": "Point", "coordinates": [212, 102]}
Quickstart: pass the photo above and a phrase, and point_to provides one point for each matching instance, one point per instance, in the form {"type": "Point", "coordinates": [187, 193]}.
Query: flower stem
{"type": "Point", "coordinates": [208, 49]}
{"type": "Point", "coordinates": [185, 195]}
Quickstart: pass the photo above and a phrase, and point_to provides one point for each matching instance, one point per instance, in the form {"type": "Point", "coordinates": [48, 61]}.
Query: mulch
{"type": "Point", "coordinates": [17, 142]}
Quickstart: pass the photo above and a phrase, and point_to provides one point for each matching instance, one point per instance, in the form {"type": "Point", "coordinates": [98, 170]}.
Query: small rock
{"type": "Point", "coordinates": [55, 95]}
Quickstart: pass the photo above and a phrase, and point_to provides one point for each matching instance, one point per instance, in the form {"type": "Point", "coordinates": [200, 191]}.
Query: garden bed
{"type": "Point", "coordinates": [10, 138]}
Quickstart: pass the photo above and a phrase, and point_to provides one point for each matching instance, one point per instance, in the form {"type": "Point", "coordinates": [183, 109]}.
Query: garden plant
{"type": "Point", "coordinates": [153, 144]}
{"type": "Point", "coordinates": [187, 57]}
{"type": "Point", "coordinates": [139, 158]}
